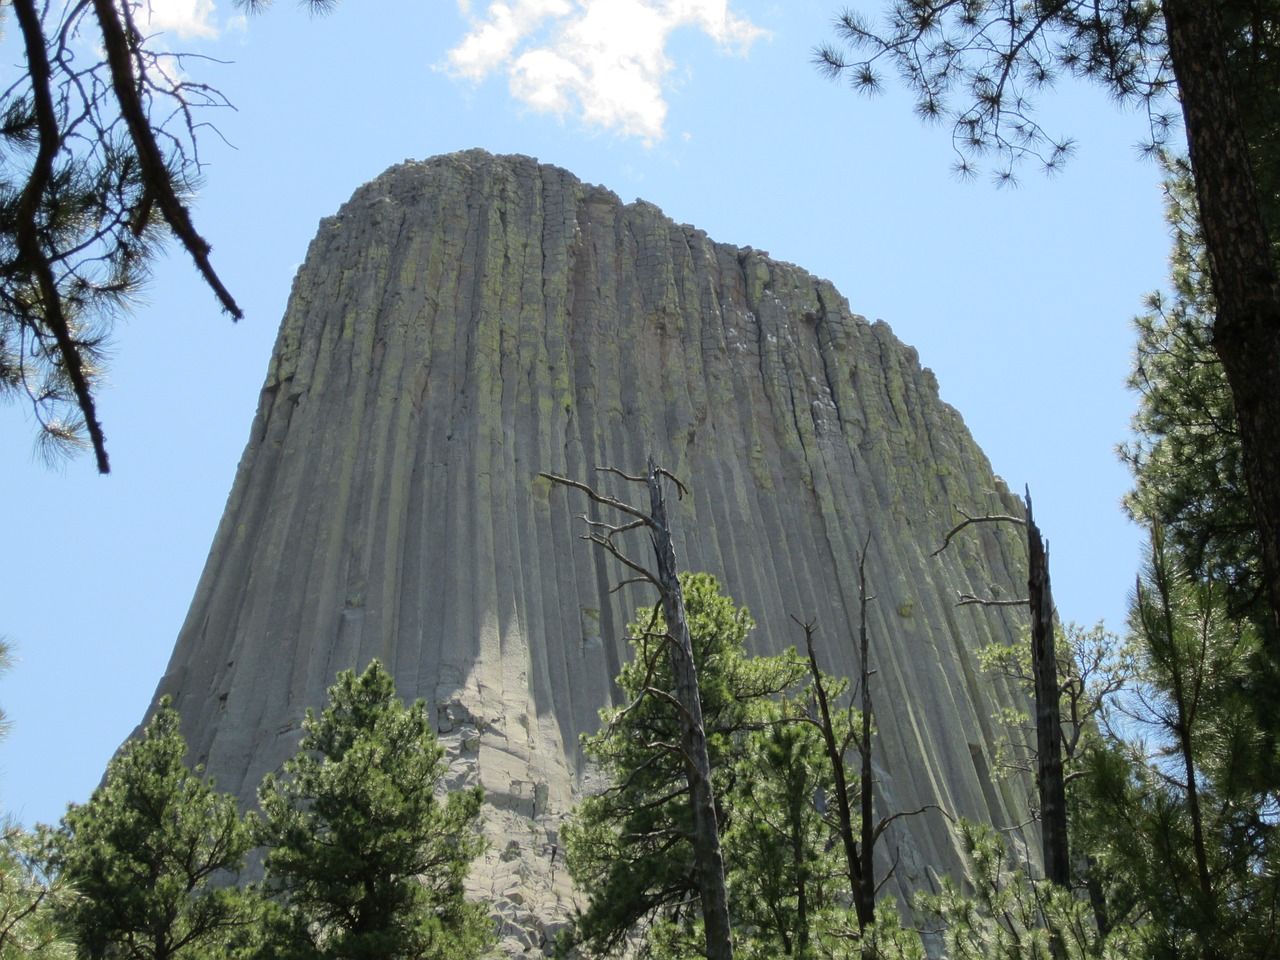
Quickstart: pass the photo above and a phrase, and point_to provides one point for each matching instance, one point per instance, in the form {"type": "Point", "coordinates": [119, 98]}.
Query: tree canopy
{"type": "Point", "coordinates": [367, 860]}
{"type": "Point", "coordinates": [792, 883]}
{"type": "Point", "coordinates": [629, 848]}
{"type": "Point", "coordinates": [150, 856]}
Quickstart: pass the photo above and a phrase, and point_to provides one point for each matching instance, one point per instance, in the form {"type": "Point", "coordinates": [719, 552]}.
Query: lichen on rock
{"type": "Point", "coordinates": [464, 323]}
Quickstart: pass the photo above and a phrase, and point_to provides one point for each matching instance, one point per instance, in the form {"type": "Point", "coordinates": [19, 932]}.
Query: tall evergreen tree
{"type": "Point", "coordinates": [368, 861]}
{"type": "Point", "coordinates": [786, 873]}
{"type": "Point", "coordinates": [1185, 455]}
{"type": "Point", "coordinates": [149, 857]}
{"type": "Point", "coordinates": [1176, 812]}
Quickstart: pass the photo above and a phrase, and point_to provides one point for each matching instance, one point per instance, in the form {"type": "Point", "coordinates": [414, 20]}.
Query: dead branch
{"type": "Point", "coordinates": [595, 497]}
{"type": "Point", "coordinates": [610, 528]}
{"type": "Point", "coordinates": [886, 822]}
{"type": "Point", "coordinates": [629, 582]}
{"type": "Point", "coordinates": [893, 868]}
{"type": "Point", "coordinates": [968, 600]}
{"type": "Point", "coordinates": [612, 548]}
{"type": "Point", "coordinates": [631, 478]}
{"type": "Point", "coordinates": [990, 518]}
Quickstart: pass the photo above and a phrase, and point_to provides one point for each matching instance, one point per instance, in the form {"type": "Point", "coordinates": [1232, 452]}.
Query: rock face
{"type": "Point", "coordinates": [464, 323]}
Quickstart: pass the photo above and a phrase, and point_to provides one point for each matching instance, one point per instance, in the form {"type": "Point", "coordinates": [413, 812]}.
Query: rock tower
{"type": "Point", "coordinates": [463, 324]}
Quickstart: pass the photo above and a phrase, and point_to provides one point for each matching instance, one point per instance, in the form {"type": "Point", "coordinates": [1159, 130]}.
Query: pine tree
{"type": "Point", "coordinates": [628, 848]}
{"type": "Point", "coordinates": [1175, 813]}
{"type": "Point", "coordinates": [786, 873]}
{"type": "Point", "coordinates": [99, 159]}
{"type": "Point", "coordinates": [28, 895]}
{"type": "Point", "coordinates": [1185, 456]}
{"type": "Point", "coordinates": [150, 856]}
{"type": "Point", "coordinates": [368, 861]}
{"type": "Point", "coordinates": [999, 913]}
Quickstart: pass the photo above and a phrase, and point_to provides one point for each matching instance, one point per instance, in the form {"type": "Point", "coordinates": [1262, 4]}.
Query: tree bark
{"type": "Point", "coordinates": [1044, 668]}
{"type": "Point", "coordinates": [708, 858]}
{"type": "Point", "coordinates": [1242, 269]}
{"type": "Point", "coordinates": [866, 895]}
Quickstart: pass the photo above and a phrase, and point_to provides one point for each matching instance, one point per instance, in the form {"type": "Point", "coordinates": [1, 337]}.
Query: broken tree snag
{"type": "Point", "coordinates": [708, 858]}
{"type": "Point", "coordinates": [1044, 668]}
{"type": "Point", "coordinates": [1046, 692]}
{"type": "Point", "coordinates": [866, 897]}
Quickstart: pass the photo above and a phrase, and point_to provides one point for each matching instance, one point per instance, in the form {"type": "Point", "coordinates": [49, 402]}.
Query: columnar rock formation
{"type": "Point", "coordinates": [465, 323]}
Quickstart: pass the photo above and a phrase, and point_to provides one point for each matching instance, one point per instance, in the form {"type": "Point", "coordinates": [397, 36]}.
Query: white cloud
{"type": "Point", "coordinates": [186, 18]}
{"type": "Point", "coordinates": [493, 41]}
{"type": "Point", "coordinates": [603, 59]}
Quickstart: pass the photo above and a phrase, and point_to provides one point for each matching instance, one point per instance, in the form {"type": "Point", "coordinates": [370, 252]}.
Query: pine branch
{"type": "Point", "coordinates": [120, 45]}
{"type": "Point", "coordinates": [30, 249]}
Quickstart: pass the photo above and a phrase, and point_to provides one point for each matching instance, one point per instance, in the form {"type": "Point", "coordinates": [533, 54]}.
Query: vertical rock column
{"type": "Point", "coordinates": [465, 323]}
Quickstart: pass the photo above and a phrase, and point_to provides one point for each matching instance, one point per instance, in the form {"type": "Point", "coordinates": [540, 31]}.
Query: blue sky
{"type": "Point", "coordinates": [1019, 300]}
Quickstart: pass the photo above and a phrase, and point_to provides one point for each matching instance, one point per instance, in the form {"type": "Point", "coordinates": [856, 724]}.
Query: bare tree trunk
{"type": "Point", "coordinates": [1044, 668]}
{"type": "Point", "coordinates": [835, 756]}
{"type": "Point", "coordinates": [866, 896]}
{"type": "Point", "coordinates": [860, 857]}
{"type": "Point", "coordinates": [708, 858]}
{"type": "Point", "coordinates": [1246, 332]}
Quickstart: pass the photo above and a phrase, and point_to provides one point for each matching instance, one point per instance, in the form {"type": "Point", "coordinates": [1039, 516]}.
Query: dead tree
{"type": "Point", "coordinates": [859, 849]}
{"type": "Point", "coordinates": [1046, 692]}
{"type": "Point", "coordinates": [835, 748]}
{"type": "Point", "coordinates": [866, 900]}
{"type": "Point", "coordinates": [708, 858]}
{"type": "Point", "coordinates": [1044, 665]}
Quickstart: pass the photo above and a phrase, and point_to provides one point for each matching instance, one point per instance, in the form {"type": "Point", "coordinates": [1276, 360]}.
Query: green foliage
{"type": "Point", "coordinates": [980, 68]}
{"type": "Point", "coordinates": [1185, 455]}
{"type": "Point", "coordinates": [999, 914]}
{"type": "Point", "coordinates": [6, 663]}
{"type": "Point", "coordinates": [147, 854]}
{"type": "Point", "coordinates": [1093, 667]}
{"type": "Point", "coordinates": [629, 847]}
{"type": "Point", "coordinates": [1173, 815]}
{"type": "Point", "coordinates": [98, 163]}
{"type": "Point", "coordinates": [785, 863]}
{"type": "Point", "coordinates": [367, 860]}
{"type": "Point", "coordinates": [27, 900]}
{"type": "Point", "coordinates": [1178, 815]}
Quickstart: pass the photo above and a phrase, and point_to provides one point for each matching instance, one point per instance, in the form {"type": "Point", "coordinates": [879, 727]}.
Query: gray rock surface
{"type": "Point", "coordinates": [464, 323]}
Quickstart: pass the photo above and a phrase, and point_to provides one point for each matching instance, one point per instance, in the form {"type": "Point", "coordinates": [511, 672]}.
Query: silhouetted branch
{"type": "Point", "coordinates": [995, 518]}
